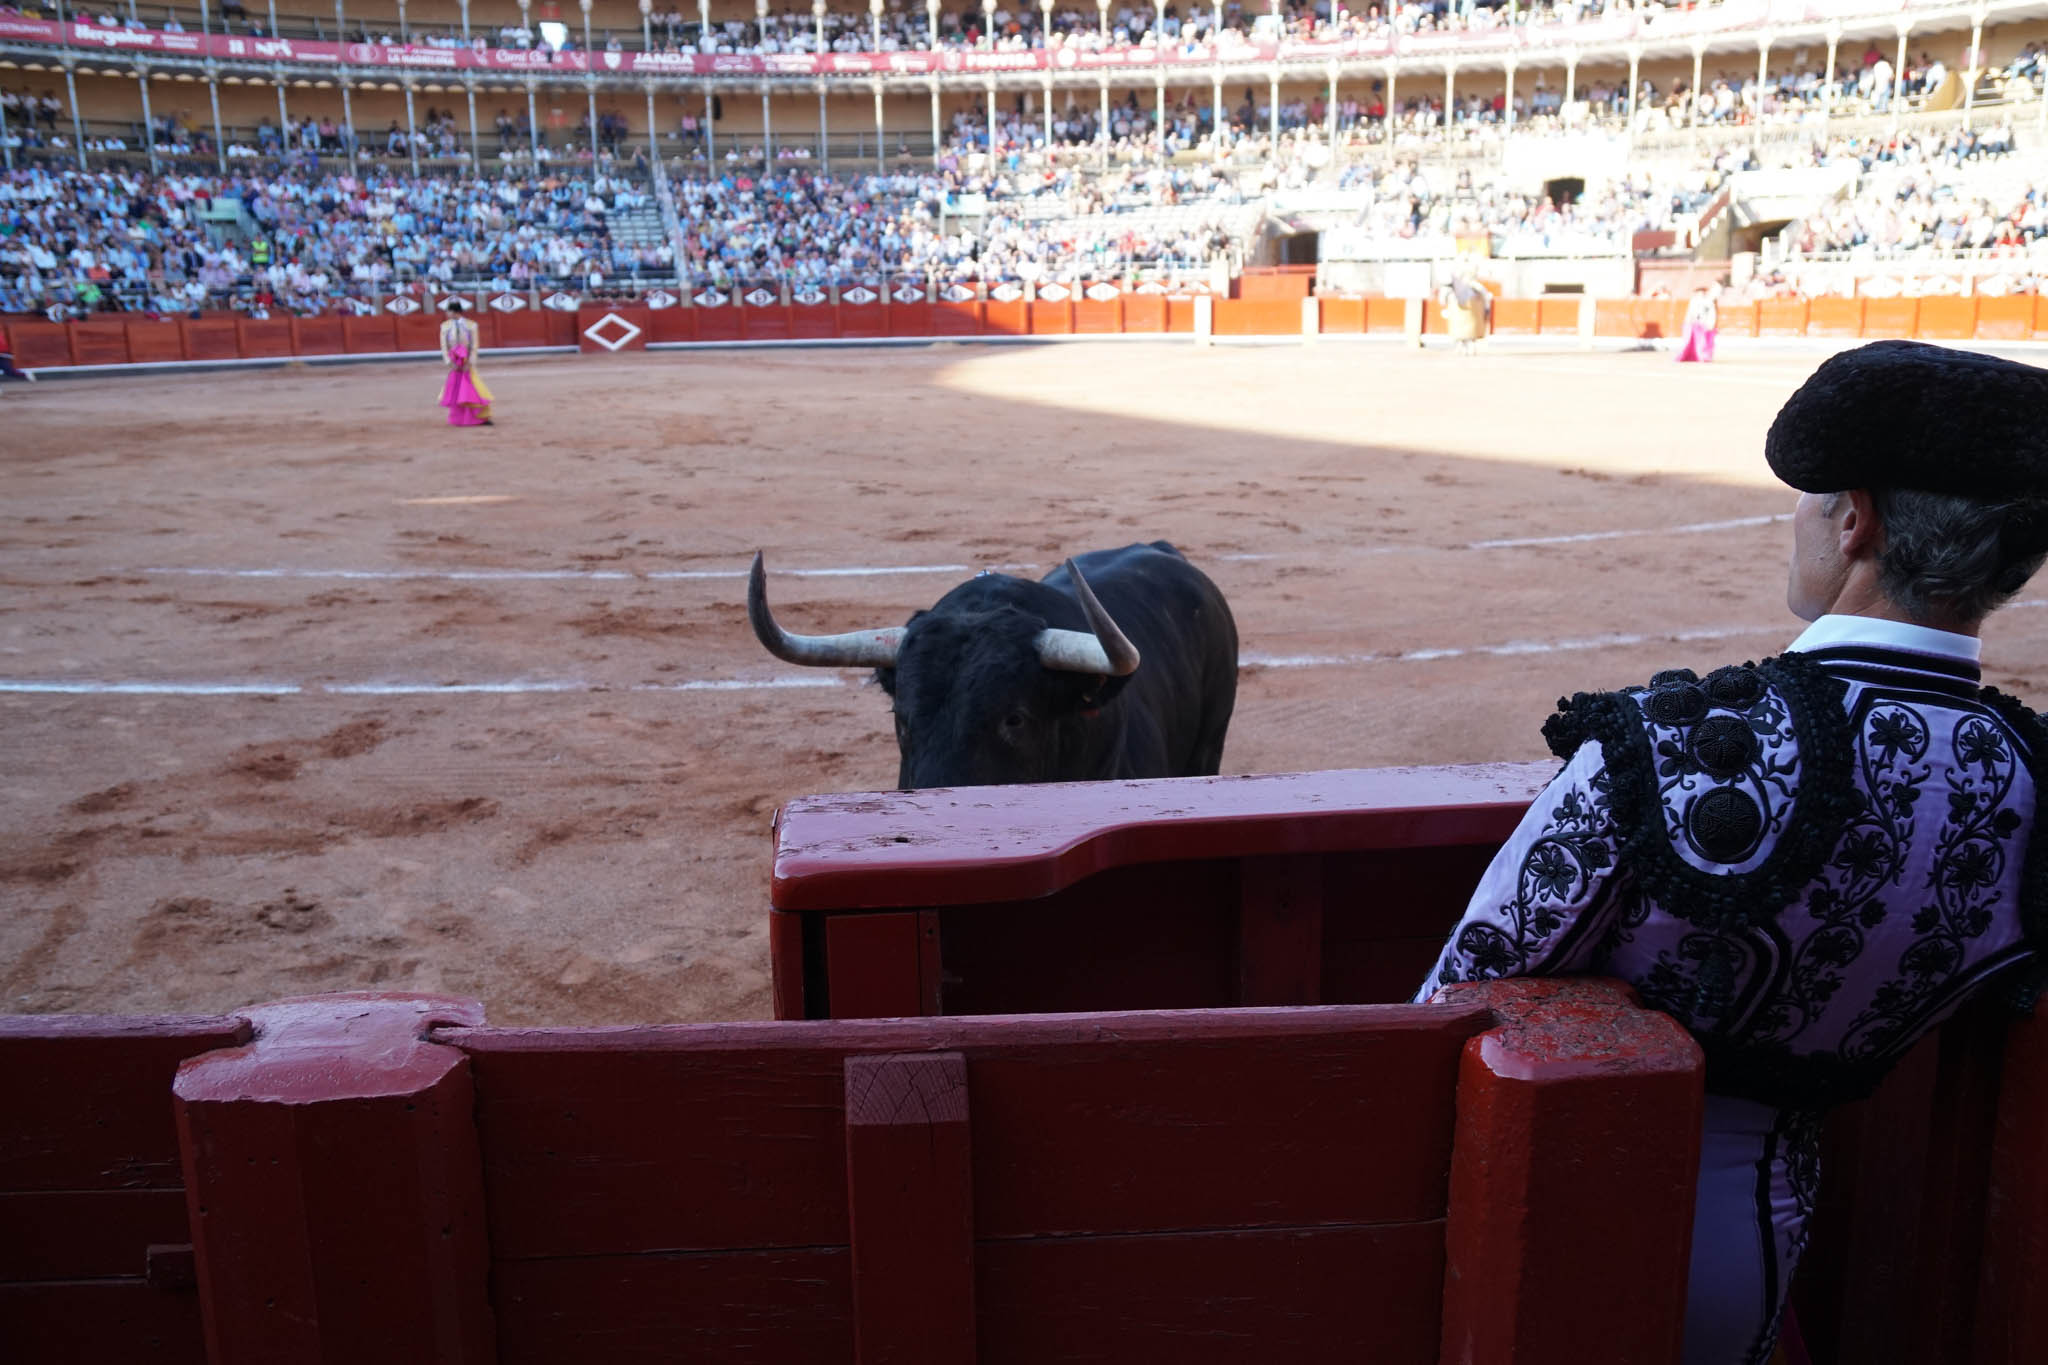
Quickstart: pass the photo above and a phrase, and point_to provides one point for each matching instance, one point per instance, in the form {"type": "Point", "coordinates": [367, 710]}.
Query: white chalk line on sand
{"type": "Point", "coordinates": [889, 570]}
{"type": "Point", "coordinates": [1505, 649]}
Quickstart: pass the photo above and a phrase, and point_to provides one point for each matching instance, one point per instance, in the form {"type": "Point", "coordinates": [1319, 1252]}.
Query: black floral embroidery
{"type": "Point", "coordinates": [1552, 881]}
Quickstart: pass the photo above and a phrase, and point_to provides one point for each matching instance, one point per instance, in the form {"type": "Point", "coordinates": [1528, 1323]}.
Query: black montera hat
{"type": "Point", "coordinates": [1903, 414]}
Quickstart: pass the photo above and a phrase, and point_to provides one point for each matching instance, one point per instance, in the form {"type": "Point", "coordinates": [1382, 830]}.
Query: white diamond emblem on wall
{"type": "Point", "coordinates": [1103, 293]}
{"type": "Point", "coordinates": [507, 303]}
{"type": "Point", "coordinates": [561, 303]}
{"type": "Point", "coordinates": [810, 296]}
{"type": "Point", "coordinates": [660, 298]}
{"type": "Point", "coordinates": [860, 293]}
{"type": "Point", "coordinates": [761, 298]}
{"type": "Point", "coordinates": [906, 294]}
{"type": "Point", "coordinates": [1006, 293]}
{"type": "Point", "coordinates": [402, 306]}
{"type": "Point", "coordinates": [623, 332]}
{"type": "Point", "coordinates": [710, 298]}
{"type": "Point", "coordinates": [958, 293]}
{"type": "Point", "coordinates": [1054, 293]}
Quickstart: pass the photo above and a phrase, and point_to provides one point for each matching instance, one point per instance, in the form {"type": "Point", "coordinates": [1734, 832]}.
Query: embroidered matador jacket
{"type": "Point", "coordinates": [1809, 861]}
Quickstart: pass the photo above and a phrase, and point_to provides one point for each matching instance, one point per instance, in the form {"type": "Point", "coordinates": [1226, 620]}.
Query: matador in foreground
{"type": "Point", "coordinates": [1811, 861]}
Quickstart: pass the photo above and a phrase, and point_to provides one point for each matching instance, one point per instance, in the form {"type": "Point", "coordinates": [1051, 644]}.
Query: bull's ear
{"type": "Point", "coordinates": [1095, 691]}
{"type": "Point", "coordinates": [885, 678]}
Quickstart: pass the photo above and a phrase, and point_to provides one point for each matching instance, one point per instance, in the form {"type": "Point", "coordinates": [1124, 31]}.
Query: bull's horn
{"type": "Point", "coordinates": [1106, 653]}
{"type": "Point", "coordinates": [855, 649]}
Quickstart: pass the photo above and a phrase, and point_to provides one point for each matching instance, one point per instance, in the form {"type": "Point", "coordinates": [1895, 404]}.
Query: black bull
{"type": "Point", "coordinates": [1009, 680]}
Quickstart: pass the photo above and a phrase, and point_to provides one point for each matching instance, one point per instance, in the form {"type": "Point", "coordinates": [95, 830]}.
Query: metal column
{"type": "Point", "coordinates": [78, 124]}
{"type": "Point", "coordinates": [476, 148]}
{"type": "Point", "coordinates": [412, 132]}
{"type": "Point", "coordinates": [220, 145]}
{"type": "Point", "coordinates": [532, 122]}
{"type": "Point", "coordinates": [348, 121]}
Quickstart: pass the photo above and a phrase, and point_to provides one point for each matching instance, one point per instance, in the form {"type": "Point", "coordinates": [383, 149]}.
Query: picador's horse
{"type": "Point", "coordinates": [1118, 664]}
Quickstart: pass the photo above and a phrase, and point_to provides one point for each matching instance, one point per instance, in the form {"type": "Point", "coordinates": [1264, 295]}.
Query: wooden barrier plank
{"type": "Point", "coordinates": [910, 1212]}
{"type": "Point", "coordinates": [858, 319]}
{"type": "Point", "coordinates": [1834, 317]}
{"type": "Point", "coordinates": [270, 337]}
{"type": "Point", "coordinates": [1781, 317]}
{"type": "Point", "coordinates": [374, 335]}
{"type": "Point", "coordinates": [873, 966]}
{"type": "Point", "coordinates": [213, 338]}
{"type": "Point", "coordinates": [1516, 317]}
{"type": "Point", "coordinates": [910, 319]}
{"type": "Point", "coordinates": [2041, 317]}
{"type": "Point", "coordinates": [1738, 319]}
{"type": "Point", "coordinates": [722, 323]}
{"type": "Point", "coordinates": [318, 336]}
{"type": "Point", "coordinates": [1946, 319]}
{"type": "Point", "coordinates": [2006, 319]}
{"type": "Point", "coordinates": [813, 321]}
{"type": "Point", "coordinates": [786, 964]}
{"type": "Point", "coordinates": [560, 326]}
{"type": "Point", "coordinates": [1896, 319]}
{"type": "Point", "coordinates": [1051, 318]}
{"type": "Point", "coordinates": [1595, 1174]}
{"type": "Point", "coordinates": [2012, 1312]}
{"type": "Point", "coordinates": [1385, 315]}
{"type": "Point", "coordinates": [1180, 315]}
{"type": "Point", "coordinates": [1097, 317]}
{"type": "Point", "coordinates": [1336, 1115]}
{"type": "Point", "coordinates": [335, 1186]}
{"type": "Point", "coordinates": [1386, 914]}
{"type": "Point", "coordinates": [1280, 931]}
{"type": "Point", "coordinates": [764, 1308]}
{"type": "Point", "coordinates": [674, 324]}
{"type": "Point", "coordinates": [591, 317]}
{"type": "Point", "coordinates": [766, 324]}
{"type": "Point", "coordinates": [1660, 319]}
{"type": "Point", "coordinates": [1001, 318]}
{"type": "Point", "coordinates": [956, 319]}
{"type": "Point", "coordinates": [89, 1104]}
{"type": "Point", "coordinates": [87, 1234]}
{"type": "Point", "coordinates": [153, 342]}
{"type": "Point", "coordinates": [1559, 315]}
{"type": "Point", "coordinates": [1258, 317]}
{"type": "Point", "coordinates": [1339, 316]}
{"type": "Point", "coordinates": [98, 343]}
{"type": "Point", "coordinates": [1303, 1296]}
{"type": "Point", "coordinates": [39, 344]}
{"type": "Point", "coordinates": [90, 1322]}
{"type": "Point", "coordinates": [1614, 318]}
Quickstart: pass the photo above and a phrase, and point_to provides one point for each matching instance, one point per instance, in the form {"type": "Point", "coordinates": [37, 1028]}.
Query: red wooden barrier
{"type": "Point", "coordinates": [99, 343]}
{"type": "Point", "coordinates": [637, 320]}
{"type": "Point", "coordinates": [1343, 315]}
{"type": "Point", "coordinates": [1559, 316]}
{"type": "Point", "coordinates": [1097, 317]}
{"type": "Point", "coordinates": [1614, 318]}
{"type": "Point", "coordinates": [673, 324]}
{"type": "Point", "coordinates": [318, 336]}
{"type": "Point", "coordinates": [912, 318]}
{"type": "Point", "coordinates": [1051, 317]}
{"type": "Point", "coordinates": [2007, 319]}
{"type": "Point", "coordinates": [998, 886]}
{"type": "Point", "coordinates": [2041, 317]}
{"type": "Point", "coordinates": [769, 323]}
{"type": "Point", "coordinates": [212, 338]}
{"type": "Point", "coordinates": [370, 335]}
{"type": "Point", "coordinates": [155, 342]}
{"type": "Point", "coordinates": [956, 319]}
{"type": "Point", "coordinates": [1781, 318]}
{"type": "Point", "coordinates": [1516, 317]}
{"type": "Point", "coordinates": [1258, 317]}
{"type": "Point", "coordinates": [722, 323]}
{"type": "Point", "coordinates": [95, 1247]}
{"type": "Point", "coordinates": [1011, 317]}
{"type": "Point", "coordinates": [1947, 319]}
{"type": "Point", "coordinates": [813, 321]}
{"type": "Point", "coordinates": [37, 344]}
{"type": "Point", "coordinates": [861, 314]}
{"type": "Point", "coordinates": [1385, 315]}
{"type": "Point", "coordinates": [1834, 317]}
{"type": "Point", "coordinates": [335, 1186]}
{"type": "Point", "coordinates": [264, 337]}
{"type": "Point", "coordinates": [1896, 318]}
{"type": "Point", "coordinates": [1738, 319]}
{"type": "Point", "coordinates": [422, 332]}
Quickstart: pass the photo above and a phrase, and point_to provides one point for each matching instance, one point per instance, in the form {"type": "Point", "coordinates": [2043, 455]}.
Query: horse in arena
{"type": "Point", "coordinates": [1118, 664]}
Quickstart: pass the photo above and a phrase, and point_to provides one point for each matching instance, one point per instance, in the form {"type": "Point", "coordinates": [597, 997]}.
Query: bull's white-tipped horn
{"type": "Point", "coordinates": [1107, 652]}
{"type": "Point", "coordinates": [855, 649]}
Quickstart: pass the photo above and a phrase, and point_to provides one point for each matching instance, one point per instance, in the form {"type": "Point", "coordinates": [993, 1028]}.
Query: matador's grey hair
{"type": "Point", "coordinates": [1948, 557]}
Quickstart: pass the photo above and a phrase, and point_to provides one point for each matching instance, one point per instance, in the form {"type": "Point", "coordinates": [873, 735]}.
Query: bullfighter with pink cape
{"type": "Point", "coordinates": [1702, 323]}
{"type": "Point", "coordinates": [463, 394]}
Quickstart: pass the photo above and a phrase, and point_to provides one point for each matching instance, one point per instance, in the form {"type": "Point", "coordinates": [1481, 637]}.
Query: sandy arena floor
{"type": "Point", "coordinates": [1422, 554]}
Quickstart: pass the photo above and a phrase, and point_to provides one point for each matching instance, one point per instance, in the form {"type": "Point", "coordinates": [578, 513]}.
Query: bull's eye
{"type": "Point", "coordinates": [1015, 721]}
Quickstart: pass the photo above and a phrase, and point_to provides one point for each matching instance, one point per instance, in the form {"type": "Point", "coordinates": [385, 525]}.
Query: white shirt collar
{"type": "Point", "coordinates": [1880, 634]}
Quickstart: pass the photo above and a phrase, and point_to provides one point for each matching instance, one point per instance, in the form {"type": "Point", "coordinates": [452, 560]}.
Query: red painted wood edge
{"type": "Point", "coordinates": [910, 1209]}
{"type": "Point", "coordinates": [2012, 1310]}
{"type": "Point", "coordinates": [231, 1029]}
{"type": "Point", "coordinates": [966, 846]}
{"type": "Point", "coordinates": [1576, 1154]}
{"type": "Point", "coordinates": [947, 1032]}
{"type": "Point", "coordinates": [335, 1186]}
